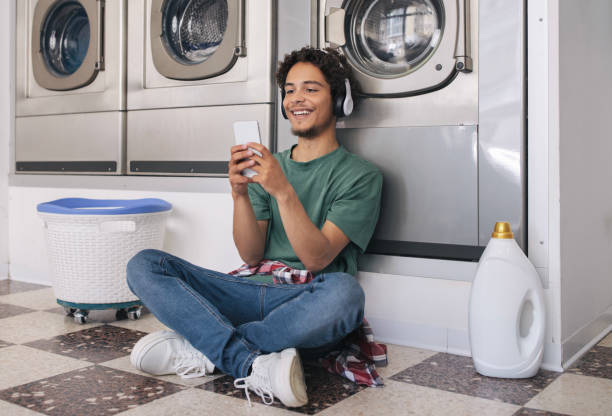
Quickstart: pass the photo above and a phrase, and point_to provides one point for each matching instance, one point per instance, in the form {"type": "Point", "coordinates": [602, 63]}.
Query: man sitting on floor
{"type": "Point", "coordinates": [304, 218]}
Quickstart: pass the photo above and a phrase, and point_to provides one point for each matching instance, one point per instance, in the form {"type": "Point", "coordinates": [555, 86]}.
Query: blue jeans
{"type": "Point", "coordinates": [232, 320]}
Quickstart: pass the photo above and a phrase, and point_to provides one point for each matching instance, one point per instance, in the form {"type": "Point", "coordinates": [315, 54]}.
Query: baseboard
{"type": "Point", "coordinates": [458, 342]}
{"type": "Point", "coordinates": [552, 357]}
{"type": "Point", "coordinates": [453, 341]}
{"type": "Point", "coordinates": [25, 274]}
{"type": "Point", "coordinates": [4, 271]}
{"type": "Point", "coordinates": [585, 338]}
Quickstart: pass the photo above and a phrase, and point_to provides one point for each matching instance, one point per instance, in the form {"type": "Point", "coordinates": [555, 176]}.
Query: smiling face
{"type": "Point", "coordinates": [308, 101]}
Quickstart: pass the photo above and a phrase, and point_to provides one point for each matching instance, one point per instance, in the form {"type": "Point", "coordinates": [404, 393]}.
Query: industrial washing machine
{"type": "Point", "coordinates": [70, 86]}
{"type": "Point", "coordinates": [195, 67]}
{"type": "Point", "coordinates": [440, 115]}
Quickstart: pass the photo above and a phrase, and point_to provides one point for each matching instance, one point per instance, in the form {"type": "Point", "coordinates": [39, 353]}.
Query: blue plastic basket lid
{"type": "Point", "coordinates": [84, 206]}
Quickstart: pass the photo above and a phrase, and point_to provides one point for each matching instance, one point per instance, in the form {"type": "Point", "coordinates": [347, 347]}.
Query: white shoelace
{"type": "Point", "coordinates": [189, 363]}
{"type": "Point", "coordinates": [259, 382]}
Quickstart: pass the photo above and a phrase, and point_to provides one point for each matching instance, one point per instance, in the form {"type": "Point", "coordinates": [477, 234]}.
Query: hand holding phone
{"type": "Point", "coordinates": [245, 132]}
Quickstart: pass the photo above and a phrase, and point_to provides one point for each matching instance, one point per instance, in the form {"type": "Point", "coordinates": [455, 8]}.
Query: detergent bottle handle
{"type": "Point", "coordinates": [533, 339]}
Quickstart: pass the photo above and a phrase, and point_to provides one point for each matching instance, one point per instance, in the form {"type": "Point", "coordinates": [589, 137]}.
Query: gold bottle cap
{"type": "Point", "coordinates": [502, 230]}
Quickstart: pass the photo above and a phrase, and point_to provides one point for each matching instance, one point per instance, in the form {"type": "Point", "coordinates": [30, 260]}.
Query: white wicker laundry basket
{"type": "Point", "coordinates": [89, 245]}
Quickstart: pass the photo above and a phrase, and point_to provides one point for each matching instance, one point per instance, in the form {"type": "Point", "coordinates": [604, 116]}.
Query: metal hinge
{"type": "Point", "coordinates": [463, 49]}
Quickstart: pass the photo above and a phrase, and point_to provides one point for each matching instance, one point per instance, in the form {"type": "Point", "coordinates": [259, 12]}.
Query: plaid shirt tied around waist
{"type": "Point", "coordinates": [359, 354]}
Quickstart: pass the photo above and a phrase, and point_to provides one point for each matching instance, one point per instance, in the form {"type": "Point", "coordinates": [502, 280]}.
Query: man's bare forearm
{"type": "Point", "coordinates": [247, 234]}
{"type": "Point", "coordinates": [309, 243]}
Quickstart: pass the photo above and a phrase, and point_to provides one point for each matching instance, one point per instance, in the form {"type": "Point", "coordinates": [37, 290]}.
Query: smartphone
{"type": "Point", "coordinates": [245, 132]}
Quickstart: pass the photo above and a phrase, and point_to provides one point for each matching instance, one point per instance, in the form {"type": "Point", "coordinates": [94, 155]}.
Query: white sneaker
{"type": "Point", "coordinates": [166, 352]}
{"type": "Point", "coordinates": [279, 375]}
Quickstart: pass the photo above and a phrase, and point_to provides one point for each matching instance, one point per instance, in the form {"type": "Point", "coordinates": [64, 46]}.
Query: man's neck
{"type": "Point", "coordinates": [315, 147]}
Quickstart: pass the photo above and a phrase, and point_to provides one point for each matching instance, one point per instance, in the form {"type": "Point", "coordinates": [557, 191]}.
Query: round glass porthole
{"type": "Point", "coordinates": [65, 37]}
{"type": "Point", "coordinates": [391, 38]}
{"type": "Point", "coordinates": [192, 30]}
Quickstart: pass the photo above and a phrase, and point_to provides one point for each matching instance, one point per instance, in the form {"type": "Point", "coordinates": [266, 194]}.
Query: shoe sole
{"type": "Point", "coordinates": [291, 364]}
{"type": "Point", "coordinates": [143, 346]}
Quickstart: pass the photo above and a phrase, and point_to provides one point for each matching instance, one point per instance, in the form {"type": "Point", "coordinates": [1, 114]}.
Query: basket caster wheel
{"type": "Point", "coordinates": [69, 311]}
{"type": "Point", "coordinates": [80, 316]}
{"type": "Point", "coordinates": [134, 313]}
{"type": "Point", "coordinates": [121, 314]}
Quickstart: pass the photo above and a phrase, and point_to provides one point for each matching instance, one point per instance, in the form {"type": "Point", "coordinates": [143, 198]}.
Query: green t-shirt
{"type": "Point", "coordinates": [339, 187]}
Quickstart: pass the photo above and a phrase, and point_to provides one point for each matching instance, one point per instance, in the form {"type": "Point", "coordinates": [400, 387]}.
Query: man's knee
{"type": "Point", "coordinates": [141, 265]}
{"type": "Point", "coordinates": [352, 288]}
{"type": "Point", "coordinates": [346, 302]}
{"type": "Point", "coordinates": [348, 292]}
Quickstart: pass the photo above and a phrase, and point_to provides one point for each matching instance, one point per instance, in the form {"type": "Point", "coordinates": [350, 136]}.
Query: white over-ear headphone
{"type": "Point", "coordinates": [343, 106]}
{"type": "Point", "coordinates": [347, 104]}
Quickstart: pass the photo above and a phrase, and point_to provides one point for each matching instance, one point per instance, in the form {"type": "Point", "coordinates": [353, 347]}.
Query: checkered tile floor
{"type": "Point", "coordinates": [53, 366]}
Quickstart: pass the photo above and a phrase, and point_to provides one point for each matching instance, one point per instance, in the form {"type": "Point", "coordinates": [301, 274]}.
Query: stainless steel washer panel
{"type": "Point", "coordinates": [195, 134]}
{"type": "Point", "coordinates": [430, 186]}
{"type": "Point", "coordinates": [72, 138]}
{"type": "Point", "coordinates": [502, 167]}
{"type": "Point", "coordinates": [294, 28]}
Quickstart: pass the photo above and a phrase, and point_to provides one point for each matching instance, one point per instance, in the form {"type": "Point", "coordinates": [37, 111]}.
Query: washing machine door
{"type": "Point", "coordinates": [196, 39]}
{"type": "Point", "coordinates": [66, 43]}
{"type": "Point", "coordinates": [399, 47]}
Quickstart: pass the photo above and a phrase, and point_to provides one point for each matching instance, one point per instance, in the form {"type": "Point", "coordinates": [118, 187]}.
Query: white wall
{"type": "Point", "coordinates": [585, 152]}
{"type": "Point", "coordinates": [6, 123]}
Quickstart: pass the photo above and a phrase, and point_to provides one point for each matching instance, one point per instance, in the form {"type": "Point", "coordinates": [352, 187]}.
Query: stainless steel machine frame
{"type": "Point", "coordinates": [74, 123]}
{"type": "Point", "coordinates": [180, 116]}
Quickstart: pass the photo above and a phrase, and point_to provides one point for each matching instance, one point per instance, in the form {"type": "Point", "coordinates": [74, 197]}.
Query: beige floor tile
{"type": "Point", "coordinates": [124, 364]}
{"type": "Point", "coordinates": [576, 395]}
{"type": "Point", "coordinates": [398, 398]}
{"type": "Point", "coordinates": [607, 341]}
{"type": "Point", "coordinates": [196, 402]}
{"type": "Point", "coordinates": [11, 409]}
{"type": "Point", "coordinates": [401, 358]}
{"type": "Point", "coordinates": [34, 299]}
{"type": "Point", "coordinates": [37, 325]}
{"type": "Point", "coordinates": [21, 365]}
{"type": "Point", "coordinates": [147, 323]}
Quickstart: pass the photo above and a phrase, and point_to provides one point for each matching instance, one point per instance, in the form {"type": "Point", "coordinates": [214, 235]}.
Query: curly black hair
{"type": "Point", "coordinates": [334, 66]}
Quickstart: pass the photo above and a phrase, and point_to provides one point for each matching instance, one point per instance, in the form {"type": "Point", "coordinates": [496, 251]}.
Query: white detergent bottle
{"type": "Point", "coordinates": [507, 312]}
